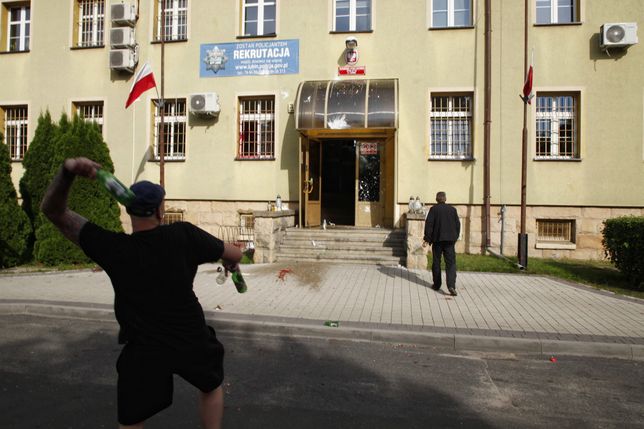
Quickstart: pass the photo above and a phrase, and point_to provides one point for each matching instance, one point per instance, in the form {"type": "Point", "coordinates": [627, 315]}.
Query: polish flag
{"type": "Point", "coordinates": [144, 80]}
{"type": "Point", "coordinates": [527, 86]}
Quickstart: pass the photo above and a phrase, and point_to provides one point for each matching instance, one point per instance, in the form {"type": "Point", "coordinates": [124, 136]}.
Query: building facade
{"type": "Point", "coordinates": [346, 108]}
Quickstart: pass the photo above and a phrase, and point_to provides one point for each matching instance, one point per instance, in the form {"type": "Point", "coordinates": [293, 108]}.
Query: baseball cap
{"type": "Point", "coordinates": [147, 198]}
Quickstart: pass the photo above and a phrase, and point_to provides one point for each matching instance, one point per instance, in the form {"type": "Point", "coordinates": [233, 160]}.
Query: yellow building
{"type": "Point", "coordinates": [346, 108]}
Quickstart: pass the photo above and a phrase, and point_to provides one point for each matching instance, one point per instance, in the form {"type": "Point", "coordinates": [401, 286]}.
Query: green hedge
{"type": "Point", "coordinates": [624, 245]}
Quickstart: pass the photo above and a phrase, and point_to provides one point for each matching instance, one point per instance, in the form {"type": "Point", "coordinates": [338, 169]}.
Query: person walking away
{"type": "Point", "coordinates": [161, 321]}
{"type": "Point", "coordinates": [442, 229]}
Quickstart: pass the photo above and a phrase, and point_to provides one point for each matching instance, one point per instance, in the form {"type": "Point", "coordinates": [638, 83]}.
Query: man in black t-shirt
{"type": "Point", "coordinates": [152, 270]}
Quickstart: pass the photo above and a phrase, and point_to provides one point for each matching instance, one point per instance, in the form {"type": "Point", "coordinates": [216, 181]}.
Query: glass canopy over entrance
{"type": "Point", "coordinates": [347, 104]}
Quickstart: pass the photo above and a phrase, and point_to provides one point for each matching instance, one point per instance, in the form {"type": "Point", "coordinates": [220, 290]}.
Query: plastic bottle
{"type": "Point", "coordinates": [221, 277]}
{"type": "Point", "coordinates": [239, 281]}
{"type": "Point", "coordinates": [118, 190]}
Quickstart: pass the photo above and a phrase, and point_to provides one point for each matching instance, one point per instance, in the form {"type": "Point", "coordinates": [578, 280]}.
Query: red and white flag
{"type": "Point", "coordinates": [143, 81]}
{"type": "Point", "coordinates": [527, 86]}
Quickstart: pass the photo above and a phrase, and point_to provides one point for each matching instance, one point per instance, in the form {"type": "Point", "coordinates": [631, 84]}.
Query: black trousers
{"type": "Point", "coordinates": [445, 248]}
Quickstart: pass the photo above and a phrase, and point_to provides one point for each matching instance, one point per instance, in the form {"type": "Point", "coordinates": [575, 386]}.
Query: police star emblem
{"type": "Point", "coordinates": [216, 59]}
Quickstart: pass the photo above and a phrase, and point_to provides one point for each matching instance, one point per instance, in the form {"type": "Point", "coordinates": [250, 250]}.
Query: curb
{"type": "Point", "coordinates": [252, 325]}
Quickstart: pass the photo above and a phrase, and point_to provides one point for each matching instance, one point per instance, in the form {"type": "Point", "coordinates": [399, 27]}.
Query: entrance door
{"type": "Point", "coordinates": [339, 181]}
{"type": "Point", "coordinates": [370, 183]}
{"type": "Point", "coordinates": [311, 186]}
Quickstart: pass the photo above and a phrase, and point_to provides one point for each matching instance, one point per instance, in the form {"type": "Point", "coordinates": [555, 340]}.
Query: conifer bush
{"type": "Point", "coordinates": [14, 223]}
{"type": "Point", "coordinates": [623, 240]}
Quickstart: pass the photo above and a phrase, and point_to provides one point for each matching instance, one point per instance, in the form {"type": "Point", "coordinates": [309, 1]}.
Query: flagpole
{"type": "Point", "coordinates": [162, 103]}
{"type": "Point", "coordinates": [523, 237]}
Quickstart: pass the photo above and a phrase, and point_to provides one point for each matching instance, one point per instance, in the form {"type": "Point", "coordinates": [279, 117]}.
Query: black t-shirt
{"type": "Point", "coordinates": [152, 273]}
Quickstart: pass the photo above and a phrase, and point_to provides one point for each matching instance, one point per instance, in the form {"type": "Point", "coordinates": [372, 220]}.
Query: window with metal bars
{"type": "Point", "coordinates": [91, 111]}
{"type": "Point", "coordinates": [19, 28]}
{"type": "Point", "coordinates": [352, 15]}
{"type": "Point", "coordinates": [174, 129]}
{"type": "Point", "coordinates": [256, 128]}
{"type": "Point", "coordinates": [258, 17]}
{"type": "Point", "coordinates": [176, 19]}
{"type": "Point", "coordinates": [557, 126]}
{"type": "Point", "coordinates": [450, 128]}
{"type": "Point", "coordinates": [91, 22]}
{"type": "Point", "coordinates": [555, 231]}
{"type": "Point", "coordinates": [172, 217]}
{"type": "Point", "coordinates": [557, 11]}
{"type": "Point", "coordinates": [16, 120]}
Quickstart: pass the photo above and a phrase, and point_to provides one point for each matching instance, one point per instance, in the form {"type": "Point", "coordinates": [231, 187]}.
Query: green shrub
{"type": "Point", "coordinates": [14, 223]}
{"type": "Point", "coordinates": [623, 240]}
{"type": "Point", "coordinates": [75, 139]}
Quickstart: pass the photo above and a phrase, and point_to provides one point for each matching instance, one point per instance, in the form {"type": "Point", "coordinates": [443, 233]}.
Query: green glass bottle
{"type": "Point", "coordinates": [118, 190]}
{"type": "Point", "coordinates": [239, 281]}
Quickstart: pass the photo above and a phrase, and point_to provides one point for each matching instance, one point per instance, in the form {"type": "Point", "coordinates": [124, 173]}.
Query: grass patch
{"type": "Point", "coordinates": [598, 274]}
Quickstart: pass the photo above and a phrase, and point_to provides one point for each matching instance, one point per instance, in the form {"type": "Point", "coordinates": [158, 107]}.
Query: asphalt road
{"type": "Point", "coordinates": [59, 373]}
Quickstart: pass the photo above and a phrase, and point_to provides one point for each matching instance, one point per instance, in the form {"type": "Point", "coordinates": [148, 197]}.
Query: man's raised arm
{"type": "Point", "coordinates": [54, 203]}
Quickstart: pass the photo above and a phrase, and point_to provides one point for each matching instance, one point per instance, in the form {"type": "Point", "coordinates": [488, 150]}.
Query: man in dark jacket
{"type": "Point", "coordinates": [442, 229]}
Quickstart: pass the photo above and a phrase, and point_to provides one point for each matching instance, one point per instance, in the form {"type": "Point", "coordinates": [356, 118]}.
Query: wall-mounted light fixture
{"type": "Point", "coordinates": [351, 43]}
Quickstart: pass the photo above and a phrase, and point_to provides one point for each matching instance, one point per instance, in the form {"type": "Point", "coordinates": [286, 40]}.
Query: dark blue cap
{"type": "Point", "coordinates": [147, 198]}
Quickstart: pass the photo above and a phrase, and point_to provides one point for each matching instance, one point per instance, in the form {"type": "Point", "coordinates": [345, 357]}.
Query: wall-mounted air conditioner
{"type": "Point", "coordinates": [204, 104]}
{"type": "Point", "coordinates": [123, 14]}
{"type": "Point", "coordinates": [122, 37]}
{"type": "Point", "coordinates": [618, 35]}
{"type": "Point", "coordinates": [124, 59]}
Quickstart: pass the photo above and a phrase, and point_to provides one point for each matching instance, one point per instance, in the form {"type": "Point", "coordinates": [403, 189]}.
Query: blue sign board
{"type": "Point", "coordinates": [250, 58]}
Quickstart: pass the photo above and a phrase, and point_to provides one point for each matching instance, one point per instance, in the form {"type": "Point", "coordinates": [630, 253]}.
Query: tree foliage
{"type": "Point", "coordinates": [624, 244]}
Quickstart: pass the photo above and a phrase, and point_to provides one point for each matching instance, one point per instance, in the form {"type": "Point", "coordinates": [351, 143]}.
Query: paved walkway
{"type": "Point", "coordinates": [499, 312]}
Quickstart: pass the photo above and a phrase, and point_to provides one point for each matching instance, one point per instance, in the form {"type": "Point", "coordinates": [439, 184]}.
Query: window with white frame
{"type": "Point", "coordinates": [91, 111]}
{"type": "Point", "coordinates": [351, 15]}
{"type": "Point", "coordinates": [176, 19]}
{"type": "Point", "coordinates": [174, 129]}
{"type": "Point", "coordinates": [171, 216]}
{"type": "Point", "coordinates": [451, 13]}
{"type": "Point", "coordinates": [258, 17]}
{"type": "Point", "coordinates": [19, 28]}
{"type": "Point", "coordinates": [557, 126]}
{"type": "Point", "coordinates": [555, 231]}
{"type": "Point", "coordinates": [91, 23]}
{"type": "Point", "coordinates": [256, 128]}
{"type": "Point", "coordinates": [16, 119]}
{"type": "Point", "coordinates": [450, 126]}
{"type": "Point", "coordinates": [557, 11]}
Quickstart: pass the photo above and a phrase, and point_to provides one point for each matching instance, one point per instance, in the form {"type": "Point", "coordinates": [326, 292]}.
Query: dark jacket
{"type": "Point", "coordinates": [442, 224]}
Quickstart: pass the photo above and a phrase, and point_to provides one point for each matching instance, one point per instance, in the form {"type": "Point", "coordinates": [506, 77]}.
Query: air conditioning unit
{"type": "Point", "coordinates": [204, 104]}
{"type": "Point", "coordinates": [122, 37]}
{"type": "Point", "coordinates": [123, 14]}
{"type": "Point", "coordinates": [618, 35]}
{"type": "Point", "coordinates": [124, 59]}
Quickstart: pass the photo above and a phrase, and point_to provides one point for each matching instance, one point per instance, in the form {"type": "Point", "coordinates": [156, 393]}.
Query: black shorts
{"type": "Point", "coordinates": [145, 375]}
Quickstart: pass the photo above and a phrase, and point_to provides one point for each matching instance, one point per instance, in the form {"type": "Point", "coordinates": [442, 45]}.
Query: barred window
{"type": "Point", "coordinates": [451, 13]}
{"type": "Point", "coordinates": [557, 125]}
{"type": "Point", "coordinates": [256, 128]}
{"type": "Point", "coordinates": [450, 126]}
{"type": "Point", "coordinates": [259, 17]}
{"type": "Point", "coordinates": [19, 26]}
{"type": "Point", "coordinates": [174, 129]}
{"type": "Point", "coordinates": [91, 111]}
{"type": "Point", "coordinates": [176, 19]}
{"type": "Point", "coordinates": [555, 231]}
{"type": "Point", "coordinates": [557, 11]}
{"type": "Point", "coordinates": [352, 15]}
{"type": "Point", "coordinates": [172, 216]}
{"type": "Point", "coordinates": [91, 22]}
{"type": "Point", "coordinates": [16, 120]}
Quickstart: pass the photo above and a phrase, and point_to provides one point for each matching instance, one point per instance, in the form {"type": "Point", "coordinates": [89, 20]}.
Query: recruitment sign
{"type": "Point", "coordinates": [250, 58]}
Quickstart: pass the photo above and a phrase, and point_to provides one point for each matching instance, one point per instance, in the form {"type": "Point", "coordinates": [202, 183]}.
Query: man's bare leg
{"type": "Point", "coordinates": [211, 408]}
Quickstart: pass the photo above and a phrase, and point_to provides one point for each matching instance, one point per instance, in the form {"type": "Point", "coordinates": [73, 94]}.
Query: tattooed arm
{"type": "Point", "coordinates": [54, 203]}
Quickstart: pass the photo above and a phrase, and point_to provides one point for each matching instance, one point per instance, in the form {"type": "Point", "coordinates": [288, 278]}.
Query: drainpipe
{"type": "Point", "coordinates": [488, 120]}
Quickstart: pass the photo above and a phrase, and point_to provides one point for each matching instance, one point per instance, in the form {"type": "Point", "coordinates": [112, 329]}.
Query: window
{"type": "Point", "coordinates": [553, 233]}
{"type": "Point", "coordinates": [15, 130]}
{"type": "Point", "coordinates": [19, 28]}
{"type": "Point", "coordinates": [451, 13]}
{"type": "Point", "coordinates": [259, 17]}
{"type": "Point", "coordinates": [174, 129]}
{"type": "Point", "coordinates": [557, 125]}
{"type": "Point", "coordinates": [90, 22]}
{"type": "Point", "coordinates": [91, 111]}
{"type": "Point", "coordinates": [557, 11]}
{"type": "Point", "coordinates": [352, 15]}
{"type": "Point", "coordinates": [172, 216]}
{"type": "Point", "coordinates": [176, 19]}
{"type": "Point", "coordinates": [450, 129]}
{"type": "Point", "coordinates": [256, 128]}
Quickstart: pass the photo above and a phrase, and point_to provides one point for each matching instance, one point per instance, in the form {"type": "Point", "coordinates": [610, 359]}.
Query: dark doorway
{"type": "Point", "coordinates": [338, 181]}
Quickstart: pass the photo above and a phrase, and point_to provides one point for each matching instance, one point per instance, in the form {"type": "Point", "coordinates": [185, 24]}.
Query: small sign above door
{"type": "Point", "coordinates": [368, 148]}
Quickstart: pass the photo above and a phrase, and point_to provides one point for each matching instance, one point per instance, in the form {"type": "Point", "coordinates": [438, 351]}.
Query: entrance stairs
{"type": "Point", "coordinates": [344, 244]}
